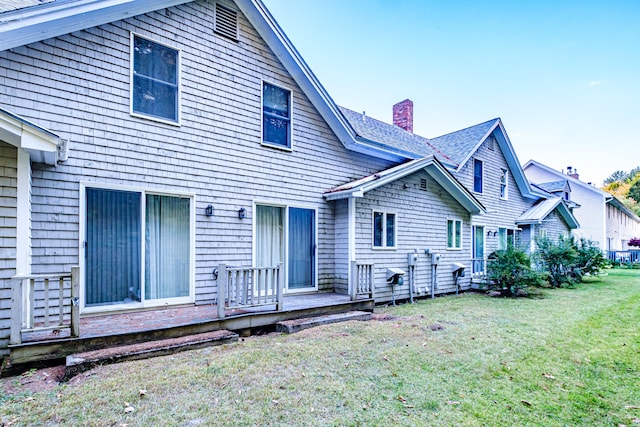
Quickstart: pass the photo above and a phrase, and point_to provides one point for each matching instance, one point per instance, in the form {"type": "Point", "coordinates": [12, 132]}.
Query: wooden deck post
{"type": "Point", "coordinates": [75, 301]}
{"type": "Point", "coordinates": [353, 281]}
{"type": "Point", "coordinates": [372, 281]}
{"type": "Point", "coordinates": [222, 289]}
{"type": "Point", "coordinates": [16, 311]}
{"type": "Point", "coordinates": [280, 289]}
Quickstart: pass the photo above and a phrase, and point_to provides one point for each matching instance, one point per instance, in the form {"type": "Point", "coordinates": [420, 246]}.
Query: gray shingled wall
{"type": "Point", "coordinates": [78, 86]}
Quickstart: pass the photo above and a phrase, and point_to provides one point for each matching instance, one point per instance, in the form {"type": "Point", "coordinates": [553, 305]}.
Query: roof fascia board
{"type": "Point", "coordinates": [517, 172]}
{"type": "Point", "coordinates": [31, 25]}
{"type": "Point", "coordinates": [268, 28]}
{"type": "Point", "coordinates": [477, 146]}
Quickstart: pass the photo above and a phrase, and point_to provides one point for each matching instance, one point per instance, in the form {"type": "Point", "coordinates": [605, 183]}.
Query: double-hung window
{"type": "Point", "coordinates": [155, 80]}
{"type": "Point", "coordinates": [477, 175]}
{"type": "Point", "coordinates": [384, 230]}
{"type": "Point", "coordinates": [504, 184]}
{"type": "Point", "coordinates": [276, 116]}
{"type": "Point", "coordinates": [454, 234]}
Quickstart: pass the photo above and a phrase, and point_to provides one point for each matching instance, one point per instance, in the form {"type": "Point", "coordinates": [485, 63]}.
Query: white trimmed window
{"type": "Point", "coordinates": [504, 184]}
{"type": "Point", "coordinates": [276, 116]}
{"type": "Point", "coordinates": [155, 80]}
{"type": "Point", "coordinates": [454, 234]}
{"type": "Point", "coordinates": [384, 230]}
{"type": "Point", "coordinates": [477, 175]}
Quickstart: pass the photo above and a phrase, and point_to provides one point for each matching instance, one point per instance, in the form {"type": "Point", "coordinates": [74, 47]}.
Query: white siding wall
{"type": "Point", "coordinates": [590, 214]}
{"type": "Point", "coordinates": [421, 223]}
{"type": "Point", "coordinates": [555, 226]}
{"type": "Point", "coordinates": [78, 86]}
{"type": "Point", "coordinates": [620, 229]}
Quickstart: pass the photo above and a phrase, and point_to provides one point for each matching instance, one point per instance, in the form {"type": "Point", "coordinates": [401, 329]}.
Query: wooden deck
{"type": "Point", "coordinates": [101, 331]}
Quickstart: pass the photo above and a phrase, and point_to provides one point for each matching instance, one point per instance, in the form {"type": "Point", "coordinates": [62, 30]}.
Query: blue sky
{"type": "Point", "coordinates": [563, 75]}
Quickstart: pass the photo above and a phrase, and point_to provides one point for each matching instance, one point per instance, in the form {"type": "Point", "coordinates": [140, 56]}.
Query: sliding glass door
{"type": "Point", "coordinates": [137, 247]}
{"type": "Point", "coordinates": [287, 235]}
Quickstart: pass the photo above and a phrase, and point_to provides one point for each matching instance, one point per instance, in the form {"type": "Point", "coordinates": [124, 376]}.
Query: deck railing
{"type": "Point", "coordinates": [630, 256]}
{"type": "Point", "coordinates": [45, 302]}
{"type": "Point", "coordinates": [246, 287]}
{"type": "Point", "coordinates": [362, 280]}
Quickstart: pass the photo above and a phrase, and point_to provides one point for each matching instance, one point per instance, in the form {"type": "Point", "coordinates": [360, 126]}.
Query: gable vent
{"type": "Point", "coordinates": [226, 22]}
{"type": "Point", "coordinates": [423, 184]}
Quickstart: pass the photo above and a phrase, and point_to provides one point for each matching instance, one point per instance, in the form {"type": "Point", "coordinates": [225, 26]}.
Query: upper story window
{"type": "Point", "coordinates": [276, 116]}
{"type": "Point", "coordinates": [504, 184]}
{"type": "Point", "coordinates": [155, 80]}
{"type": "Point", "coordinates": [454, 234]}
{"type": "Point", "coordinates": [477, 175]}
{"type": "Point", "coordinates": [384, 230]}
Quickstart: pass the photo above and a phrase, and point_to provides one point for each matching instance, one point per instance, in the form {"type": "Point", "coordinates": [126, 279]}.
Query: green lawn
{"type": "Point", "coordinates": [566, 357]}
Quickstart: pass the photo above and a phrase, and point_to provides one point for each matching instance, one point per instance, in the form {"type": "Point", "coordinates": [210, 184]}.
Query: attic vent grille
{"type": "Point", "coordinates": [423, 184]}
{"type": "Point", "coordinates": [226, 22]}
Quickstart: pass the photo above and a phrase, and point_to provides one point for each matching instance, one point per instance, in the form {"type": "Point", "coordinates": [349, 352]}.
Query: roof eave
{"type": "Point", "coordinates": [33, 24]}
{"type": "Point", "coordinates": [40, 143]}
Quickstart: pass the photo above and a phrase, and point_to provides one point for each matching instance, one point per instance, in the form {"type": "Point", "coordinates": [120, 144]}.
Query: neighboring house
{"type": "Point", "coordinates": [483, 160]}
{"type": "Point", "coordinates": [155, 144]}
{"type": "Point", "coordinates": [622, 226]}
{"type": "Point", "coordinates": [592, 212]}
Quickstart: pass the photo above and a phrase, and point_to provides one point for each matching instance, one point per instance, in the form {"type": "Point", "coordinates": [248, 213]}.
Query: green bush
{"type": "Point", "coordinates": [509, 272]}
{"type": "Point", "coordinates": [567, 262]}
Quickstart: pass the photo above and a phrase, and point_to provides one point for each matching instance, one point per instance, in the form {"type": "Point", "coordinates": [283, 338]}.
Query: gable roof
{"type": "Point", "coordinates": [22, 26]}
{"type": "Point", "coordinates": [539, 211]}
{"type": "Point", "coordinates": [554, 186]}
{"type": "Point", "coordinates": [430, 165]}
{"type": "Point", "coordinates": [453, 149]}
{"type": "Point", "coordinates": [572, 181]}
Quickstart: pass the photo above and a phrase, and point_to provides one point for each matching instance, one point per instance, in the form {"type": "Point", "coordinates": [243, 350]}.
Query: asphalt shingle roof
{"type": "Point", "coordinates": [452, 148]}
{"type": "Point", "coordinates": [459, 144]}
{"type": "Point", "coordinates": [11, 5]}
{"type": "Point", "coordinates": [553, 186]}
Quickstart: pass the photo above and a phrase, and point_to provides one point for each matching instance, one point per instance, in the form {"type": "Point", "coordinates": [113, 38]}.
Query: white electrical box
{"type": "Point", "coordinates": [412, 259]}
{"type": "Point", "coordinates": [435, 259]}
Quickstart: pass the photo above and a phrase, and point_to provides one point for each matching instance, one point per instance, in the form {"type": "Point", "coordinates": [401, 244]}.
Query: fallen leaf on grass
{"type": "Point", "coordinates": [636, 421]}
{"type": "Point", "coordinates": [142, 392]}
{"type": "Point", "coordinates": [385, 358]}
{"type": "Point", "coordinates": [452, 402]}
{"type": "Point", "coordinates": [632, 407]}
{"type": "Point", "coordinates": [524, 402]}
{"type": "Point", "coordinates": [129, 409]}
{"type": "Point", "coordinates": [551, 377]}
{"type": "Point", "coordinates": [402, 399]}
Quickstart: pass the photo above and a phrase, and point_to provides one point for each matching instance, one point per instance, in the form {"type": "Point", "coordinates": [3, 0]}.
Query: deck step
{"type": "Point", "coordinates": [80, 362]}
{"type": "Point", "coordinates": [291, 326]}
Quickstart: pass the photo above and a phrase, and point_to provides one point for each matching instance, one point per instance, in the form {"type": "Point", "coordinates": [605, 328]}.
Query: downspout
{"type": "Point", "coordinates": [23, 213]}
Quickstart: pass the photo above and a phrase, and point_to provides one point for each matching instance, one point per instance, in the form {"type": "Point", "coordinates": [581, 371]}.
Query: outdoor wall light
{"type": "Point", "coordinates": [208, 211]}
{"type": "Point", "coordinates": [242, 213]}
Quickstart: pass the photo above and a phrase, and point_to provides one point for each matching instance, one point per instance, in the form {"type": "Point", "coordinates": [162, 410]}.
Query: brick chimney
{"type": "Point", "coordinates": [573, 173]}
{"type": "Point", "coordinates": [403, 115]}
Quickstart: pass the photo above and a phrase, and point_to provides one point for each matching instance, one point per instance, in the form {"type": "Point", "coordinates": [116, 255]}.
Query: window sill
{"type": "Point", "coordinates": [155, 119]}
{"type": "Point", "coordinates": [277, 147]}
{"type": "Point", "coordinates": [384, 248]}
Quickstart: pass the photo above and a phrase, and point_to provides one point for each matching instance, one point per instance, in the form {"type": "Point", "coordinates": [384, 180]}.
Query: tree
{"type": "Point", "coordinates": [634, 191]}
{"type": "Point", "coordinates": [616, 176]}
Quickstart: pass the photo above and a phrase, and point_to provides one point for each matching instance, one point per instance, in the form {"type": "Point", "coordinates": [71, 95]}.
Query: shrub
{"type": "Point", "coordinates": [509, 272]}
{"type": "Point", "coordinates": [634, 242]}
{"type": "Point", "coordinates": [590, 259]}
{"type": "Point", "coordinates": [558, 260]}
